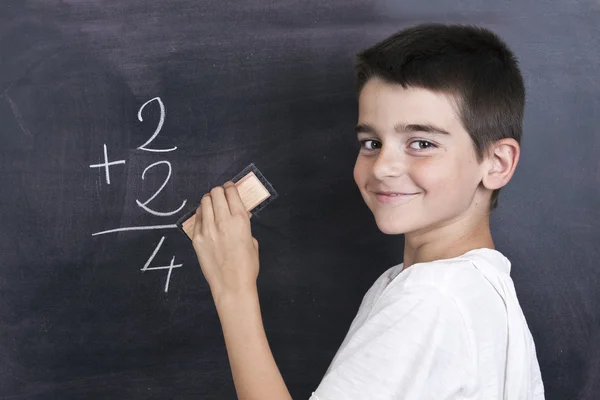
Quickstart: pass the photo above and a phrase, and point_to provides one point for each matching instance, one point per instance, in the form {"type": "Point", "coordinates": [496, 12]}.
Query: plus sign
{"type": "Point", "coordinates": [107, 164]}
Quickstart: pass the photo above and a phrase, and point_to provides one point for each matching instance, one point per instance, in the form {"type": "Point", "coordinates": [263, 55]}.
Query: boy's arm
{"type": "Point", "coordinates": [255, 373]}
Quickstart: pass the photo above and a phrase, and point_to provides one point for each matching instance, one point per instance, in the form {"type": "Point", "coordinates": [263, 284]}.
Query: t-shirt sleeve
{"type": "Point", "coordinates": [413, 345]}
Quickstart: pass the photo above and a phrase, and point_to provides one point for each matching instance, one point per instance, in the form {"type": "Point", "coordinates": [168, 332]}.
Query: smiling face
{"type": "Point", "coordinates": [413, 143]}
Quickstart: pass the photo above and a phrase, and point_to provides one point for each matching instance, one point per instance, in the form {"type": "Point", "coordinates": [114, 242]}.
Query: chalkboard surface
{"type": "Point", "coordinates": [115, 118]}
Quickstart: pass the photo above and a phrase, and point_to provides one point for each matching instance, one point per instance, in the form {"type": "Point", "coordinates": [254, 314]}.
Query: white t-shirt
{"type": "Point", "coordinates": [442, 330]}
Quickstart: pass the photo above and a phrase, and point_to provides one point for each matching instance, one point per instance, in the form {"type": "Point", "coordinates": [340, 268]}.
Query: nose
{"type": "Point", "coordinates": [390, 162]}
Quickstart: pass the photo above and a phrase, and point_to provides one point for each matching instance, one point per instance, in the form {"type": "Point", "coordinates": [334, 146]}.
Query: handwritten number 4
{"type": "Point", "coordinates": [170, 267]}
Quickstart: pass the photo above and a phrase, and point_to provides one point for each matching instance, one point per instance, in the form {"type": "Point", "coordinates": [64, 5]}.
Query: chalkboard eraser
{"type": "Point", "coordinates": [254, 189]}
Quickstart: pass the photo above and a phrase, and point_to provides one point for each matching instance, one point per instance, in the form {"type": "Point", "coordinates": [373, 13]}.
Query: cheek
{"type": "Point", "coordinates": [440, 179]}
{"type": "Point", "coordinates": [360, 171]}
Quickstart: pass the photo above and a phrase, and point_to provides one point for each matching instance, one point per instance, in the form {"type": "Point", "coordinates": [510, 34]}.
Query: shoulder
{"type": "Point", "coordinates": [462, 276]}
{"type": "Point", "coordinates": [470, 285]}
{"type": "Point", "coordinates": [465, 285]}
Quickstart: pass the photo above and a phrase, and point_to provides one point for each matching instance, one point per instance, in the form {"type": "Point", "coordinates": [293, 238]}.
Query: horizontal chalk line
{"type": "Point", "coordinates": [136, 228]}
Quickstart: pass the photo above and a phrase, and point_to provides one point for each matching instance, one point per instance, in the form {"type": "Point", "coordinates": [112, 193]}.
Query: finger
{"type": "Point", "coordinates": [208, 217]}
{"type": "Point", "coordinates": [198, 223]}
{"type": "Point", "coordinates": [236, 206]}
{"type": "Point", "coordinates": [219, 203]}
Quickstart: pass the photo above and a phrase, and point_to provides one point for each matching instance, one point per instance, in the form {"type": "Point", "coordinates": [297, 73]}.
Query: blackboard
{"type": "Point", "coordinates": [269, 83]}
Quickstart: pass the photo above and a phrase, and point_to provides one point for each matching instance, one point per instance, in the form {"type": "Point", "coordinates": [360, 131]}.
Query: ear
{"type": "Point", "coordinates": [501, 163]}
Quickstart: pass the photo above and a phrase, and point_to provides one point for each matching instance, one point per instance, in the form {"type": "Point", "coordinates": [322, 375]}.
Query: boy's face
{"type": "Point", "coordinates": [436, 173]}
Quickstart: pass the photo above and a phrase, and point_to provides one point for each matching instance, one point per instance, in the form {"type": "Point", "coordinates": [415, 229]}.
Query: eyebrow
{"type": "Point", "coordinates": [404, 128]}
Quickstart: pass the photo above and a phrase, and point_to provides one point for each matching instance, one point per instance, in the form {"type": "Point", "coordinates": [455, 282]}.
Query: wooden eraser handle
{"type": "Point", "coordinates": [252, 193]}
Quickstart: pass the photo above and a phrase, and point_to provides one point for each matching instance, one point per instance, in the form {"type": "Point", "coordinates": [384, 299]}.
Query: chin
{"type": "Point", "coordinates": [390, 226]}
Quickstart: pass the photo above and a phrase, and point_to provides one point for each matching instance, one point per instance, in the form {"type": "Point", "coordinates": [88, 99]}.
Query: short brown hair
{"type": "Point", "coordinates": [468, 62]}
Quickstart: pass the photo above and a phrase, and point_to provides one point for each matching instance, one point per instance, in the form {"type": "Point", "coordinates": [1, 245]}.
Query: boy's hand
{"type": "Point", "coordinates": [222, 239]}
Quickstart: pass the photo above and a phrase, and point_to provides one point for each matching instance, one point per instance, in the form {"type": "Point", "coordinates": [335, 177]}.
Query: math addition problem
{"type": "Point", "coordinates": [107, 164]}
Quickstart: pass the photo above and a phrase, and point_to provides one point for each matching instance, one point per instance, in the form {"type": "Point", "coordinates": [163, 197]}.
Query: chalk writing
{"type": "Point", "coordinates": [107, 164]}
{"type": "Point", "coordinates": [158, 128]}
{"type": "Point", "coordinates": [170, 267]}
{"type": "Point", "coordinates": [144, 205]}
{"type": "Point", "coordinates": [136, 228]}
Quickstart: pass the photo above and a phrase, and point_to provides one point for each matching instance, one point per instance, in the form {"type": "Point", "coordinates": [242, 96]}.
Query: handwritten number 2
{"type": "Point", "coordinates": [158, 128]}
{"type": "Point", "coordinates": [144, 204]}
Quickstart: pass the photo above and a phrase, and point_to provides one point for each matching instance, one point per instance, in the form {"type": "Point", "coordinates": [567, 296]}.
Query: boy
{"type": "Point", "coordinates": [440, 119]}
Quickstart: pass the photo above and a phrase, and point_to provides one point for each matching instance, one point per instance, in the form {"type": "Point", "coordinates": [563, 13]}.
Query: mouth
{"type": "Point", "coordinates": [394, 197]}
{"type": "Point", "coordinates": [393, 194]}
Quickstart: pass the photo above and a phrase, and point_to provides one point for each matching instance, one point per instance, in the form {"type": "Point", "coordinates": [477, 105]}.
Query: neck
{"type": "Point", "coordinates": [451, 240]}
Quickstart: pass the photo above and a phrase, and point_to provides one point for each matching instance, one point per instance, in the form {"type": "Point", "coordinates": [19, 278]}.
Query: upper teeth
{"type": "Point", "coordinates": [394, 194]}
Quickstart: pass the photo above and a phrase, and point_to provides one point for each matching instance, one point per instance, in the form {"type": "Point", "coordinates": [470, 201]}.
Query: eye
{"type": "Point", "coordinates": [363, 143]}
{"type": "Point", "coordinates": [421, 145]}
